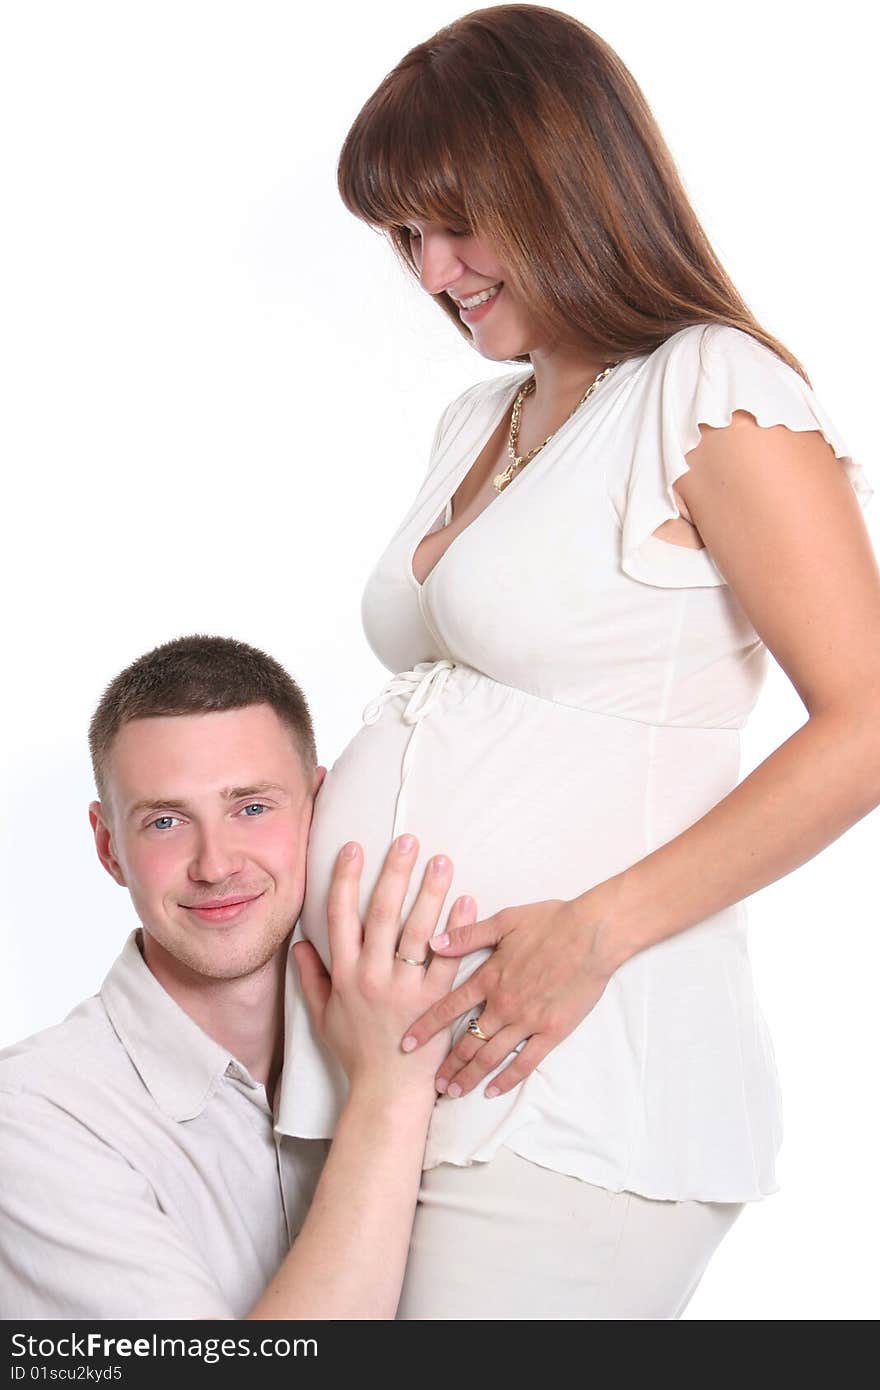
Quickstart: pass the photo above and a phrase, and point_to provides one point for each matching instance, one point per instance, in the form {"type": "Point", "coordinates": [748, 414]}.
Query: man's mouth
{"type": "Point", "coordinates": [222, 909]}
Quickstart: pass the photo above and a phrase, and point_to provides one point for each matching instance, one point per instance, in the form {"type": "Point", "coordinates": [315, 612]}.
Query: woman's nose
{"type": "Point", "coordinates": [440, 267]}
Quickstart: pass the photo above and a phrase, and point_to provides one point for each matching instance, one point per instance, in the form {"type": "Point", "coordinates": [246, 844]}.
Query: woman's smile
{"type": "Point", "coordinates": [482, 308]}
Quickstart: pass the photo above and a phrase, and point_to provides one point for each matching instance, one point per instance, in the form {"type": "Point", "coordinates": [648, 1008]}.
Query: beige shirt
{"type": "Point", "coordinates": [140, 1172]}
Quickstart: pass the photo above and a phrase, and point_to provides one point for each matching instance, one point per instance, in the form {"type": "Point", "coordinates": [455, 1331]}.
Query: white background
{"type": "Point", "coordinates": [218, 393]}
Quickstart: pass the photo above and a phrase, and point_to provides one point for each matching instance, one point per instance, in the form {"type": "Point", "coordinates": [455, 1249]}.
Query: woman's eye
{"type": "Point", "coordinates": [450, 231]}
{"type": "Point", "coordinates": [163, 822]}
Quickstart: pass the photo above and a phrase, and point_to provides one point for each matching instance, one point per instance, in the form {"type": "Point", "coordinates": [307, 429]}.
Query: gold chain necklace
{"type": "Point", "coordinates": [517, 460]}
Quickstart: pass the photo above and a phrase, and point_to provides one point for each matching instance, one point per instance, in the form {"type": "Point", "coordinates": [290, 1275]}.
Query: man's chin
{"type": "Point", "coordinates": [218, 955]}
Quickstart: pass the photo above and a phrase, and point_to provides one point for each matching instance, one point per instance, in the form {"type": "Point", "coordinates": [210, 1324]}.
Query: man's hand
{"type": "Point", "coordinates": [348, 1259]}
{"type": "Point", "coordinates": [364, 1007]}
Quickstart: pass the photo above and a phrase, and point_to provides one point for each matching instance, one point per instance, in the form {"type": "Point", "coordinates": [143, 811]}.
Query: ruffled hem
{"type": "Point", "coordinates": [592, 1171]}
{"type": "Point", "coordinates": [742, 374]}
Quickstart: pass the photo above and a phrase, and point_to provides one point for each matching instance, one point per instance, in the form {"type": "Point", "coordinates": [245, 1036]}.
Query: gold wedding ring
{"type": "Point", "coordinates": [406, 960]}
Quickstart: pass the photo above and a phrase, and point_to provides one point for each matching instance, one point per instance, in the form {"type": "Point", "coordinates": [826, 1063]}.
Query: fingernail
{"type": "Point", "coordinates": [349, 851]}
{"type": "Point", "coordinates": [440, 864]}
{"type": "Point", "coordinates": [491, 1092]}
{"type": "Point", "coordinates": [405, 843]}
{"type": "Point", "coordinates": [454, 1090]}
{"type": "Point", "coordinates": [465, 904]}
{"type": "Point", "coordinates": [438, 942]}
{"type": "Point", "coordinates": [409, 1044]}
{"type": "Point", "coordinates": [440, 1084]}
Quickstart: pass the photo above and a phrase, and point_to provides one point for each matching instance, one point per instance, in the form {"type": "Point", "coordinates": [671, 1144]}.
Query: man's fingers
{"type": "Point", "coordinates": [382, 925]}
{"type": "Point", "coordinates": [344, 929]}
{"type": "Point", "coordinates": [315, 981]}
{"type": "Point", "coordinates": [424, 914]}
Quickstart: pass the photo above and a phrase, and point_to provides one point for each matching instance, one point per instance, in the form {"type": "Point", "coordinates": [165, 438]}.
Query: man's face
{"type": "Point", "coordinates": [206, 822]}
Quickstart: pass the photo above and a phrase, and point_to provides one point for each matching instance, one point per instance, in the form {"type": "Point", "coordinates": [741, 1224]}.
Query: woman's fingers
{"type": "Point", "coordinates": [524, 1063]}
{"type": "Point", "coordinates": [471, 1065]}
{"type": "Point", "coordinates": [382, 925]}
{"type": "Point", "coordinates": [421, 924]}
{"type": "Point", "coordinates": [467, 1047]}
{"type": "Point", "coordinates": [445, 1011]}
{"type": "Point", "coordinates": [441, 973]}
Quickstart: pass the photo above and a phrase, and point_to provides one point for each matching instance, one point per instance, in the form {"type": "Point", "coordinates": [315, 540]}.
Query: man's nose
{"type": "Point", "coordinates": [216, 857]}
{"type": "Point", "coordinates": [440, 266]}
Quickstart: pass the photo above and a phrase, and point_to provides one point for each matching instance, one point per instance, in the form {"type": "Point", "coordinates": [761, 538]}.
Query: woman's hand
{"type": "Point", "coordinates": [549, 968]}
{"type": "Point", "coordinates": [361, 1009]}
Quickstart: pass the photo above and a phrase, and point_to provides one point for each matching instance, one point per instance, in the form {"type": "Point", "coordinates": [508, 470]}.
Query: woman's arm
{"type": "Point", "coordinates": [348, 1260]}
{"type": "Point", "coordinates": [780, 518]}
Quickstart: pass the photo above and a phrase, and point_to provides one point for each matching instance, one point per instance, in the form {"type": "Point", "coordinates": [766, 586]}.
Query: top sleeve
{"type": "Point", "coordinates": [480, 398]}
{"type": "Point", "coordinates": [81, 1233]}
{"type": "Point", "coordinates": [701, 376]}
{"type": "Point", "coordinates": [438, 433]}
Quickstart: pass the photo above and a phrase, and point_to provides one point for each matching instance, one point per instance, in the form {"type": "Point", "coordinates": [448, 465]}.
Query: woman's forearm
{"type": "Point", "coordinates": [348, 1260]}
{"type": "Point", "coordinates": [802, 797]}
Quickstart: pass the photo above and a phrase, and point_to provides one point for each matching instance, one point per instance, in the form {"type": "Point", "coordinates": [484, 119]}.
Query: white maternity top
{"type": "Point", "coordinates": [567, 696]}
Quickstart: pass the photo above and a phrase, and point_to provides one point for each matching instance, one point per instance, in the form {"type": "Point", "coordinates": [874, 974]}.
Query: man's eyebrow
{"type": "Point", "coordinates": [170, 803]}
{"type": "Point", "coordinates": [149, 803]}
{"type": "Point", "coordinates": [257, 789]}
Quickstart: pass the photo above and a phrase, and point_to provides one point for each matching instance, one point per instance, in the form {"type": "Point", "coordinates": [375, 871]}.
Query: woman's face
{"type": "Point", "coordinates": [465, 267]}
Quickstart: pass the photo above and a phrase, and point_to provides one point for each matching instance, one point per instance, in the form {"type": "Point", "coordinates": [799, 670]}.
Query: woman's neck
{"type": "Point", "coordinates": [562, 375]}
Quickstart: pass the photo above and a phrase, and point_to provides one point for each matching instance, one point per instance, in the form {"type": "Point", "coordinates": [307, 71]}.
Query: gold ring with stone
{"type": "Point", "coordinates": [476, 1031]}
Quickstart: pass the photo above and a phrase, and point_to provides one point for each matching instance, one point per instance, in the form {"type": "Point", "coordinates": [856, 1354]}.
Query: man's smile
{"type": "Point", "coordinates": [222, 909]}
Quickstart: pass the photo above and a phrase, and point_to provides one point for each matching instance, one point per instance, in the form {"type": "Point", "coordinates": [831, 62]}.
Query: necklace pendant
{"type": "Point", "coordinates": [500, 482]}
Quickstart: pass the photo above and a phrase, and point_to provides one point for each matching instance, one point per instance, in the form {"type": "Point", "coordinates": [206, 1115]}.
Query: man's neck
{"type": "Point", "coordinates": [244, 1015]}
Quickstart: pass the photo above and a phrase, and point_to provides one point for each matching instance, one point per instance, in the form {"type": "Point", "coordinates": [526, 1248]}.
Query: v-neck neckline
{"type": "Point", "coordinates": [470, 457]}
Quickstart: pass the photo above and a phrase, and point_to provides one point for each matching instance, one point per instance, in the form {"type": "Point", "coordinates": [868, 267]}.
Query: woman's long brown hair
{"type": "Point", "coordinates": [521, 125]}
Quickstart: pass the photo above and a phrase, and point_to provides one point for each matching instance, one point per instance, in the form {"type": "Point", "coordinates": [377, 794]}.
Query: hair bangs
{"type": "Point", "coordinates": [520, 125]}
{"type": "Point", "coordinates": [398, 162]}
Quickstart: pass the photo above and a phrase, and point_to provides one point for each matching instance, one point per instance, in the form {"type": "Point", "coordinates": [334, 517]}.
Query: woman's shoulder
{"type": "Point", "coordinates": [719, 368]}
{"type": "Point", "coordinates": [708, 347]}
{"type": "Point", "coordinates": [484, 395]}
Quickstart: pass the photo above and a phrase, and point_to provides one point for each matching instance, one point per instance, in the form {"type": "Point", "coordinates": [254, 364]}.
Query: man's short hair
{"type": "Point", "coordinates": [198, 675]}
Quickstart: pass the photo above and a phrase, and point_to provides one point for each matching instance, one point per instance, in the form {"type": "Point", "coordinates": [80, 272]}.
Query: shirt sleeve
{"type": "Point", "coordinates": [81, 1233]}
{"type": "Point", "coordinates": [701, 376]}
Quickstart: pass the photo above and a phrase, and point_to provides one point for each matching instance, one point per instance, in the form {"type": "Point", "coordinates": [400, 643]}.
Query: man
{"type": "Point", "coordinates": [142, 1175]}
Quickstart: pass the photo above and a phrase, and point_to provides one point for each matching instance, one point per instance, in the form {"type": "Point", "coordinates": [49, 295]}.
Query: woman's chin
{"type": "Point", "coordinates": [499, 351]}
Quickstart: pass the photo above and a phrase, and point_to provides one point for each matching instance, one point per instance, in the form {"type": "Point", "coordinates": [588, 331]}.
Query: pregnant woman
{"type": "Point", "coordinates": [577, 610]}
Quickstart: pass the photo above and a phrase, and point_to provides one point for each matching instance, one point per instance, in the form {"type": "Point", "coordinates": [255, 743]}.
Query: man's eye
{"type": "Point", "coordinates": [255, 808]}
{"type": "Point", "coordinates": [163, 822]}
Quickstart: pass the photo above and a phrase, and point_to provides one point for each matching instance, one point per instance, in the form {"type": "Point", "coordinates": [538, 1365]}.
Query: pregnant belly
{"type": "Point", "coordinates": [529, 799]}
{"type": "Point", "coordinates": [668, 1085]}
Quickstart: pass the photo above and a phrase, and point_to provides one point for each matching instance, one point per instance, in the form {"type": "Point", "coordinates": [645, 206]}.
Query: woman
{"type": "Point", "coordinates": [578, 609]}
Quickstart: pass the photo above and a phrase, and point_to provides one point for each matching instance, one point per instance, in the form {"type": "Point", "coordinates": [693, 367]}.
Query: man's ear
{"type": "Point", "coordinates": [320, 774]}
{"type": "Point", "coordinates": [99, 818]}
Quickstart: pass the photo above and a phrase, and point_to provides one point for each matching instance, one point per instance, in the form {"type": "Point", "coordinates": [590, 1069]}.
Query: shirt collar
{"type": "Point", "coordinates": [177, 1062]}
